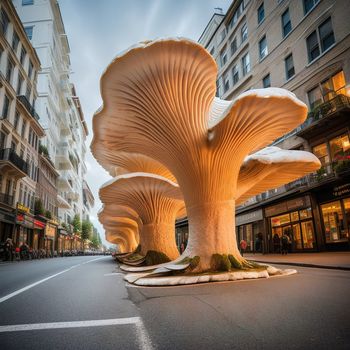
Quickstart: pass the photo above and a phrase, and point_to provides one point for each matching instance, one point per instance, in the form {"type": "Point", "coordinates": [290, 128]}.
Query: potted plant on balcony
{"type": "Point", "coordinates": [38, 207]}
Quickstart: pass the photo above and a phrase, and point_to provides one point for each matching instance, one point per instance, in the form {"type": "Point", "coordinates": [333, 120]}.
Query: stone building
{"type": "Point", "coordinates": [302, 46]}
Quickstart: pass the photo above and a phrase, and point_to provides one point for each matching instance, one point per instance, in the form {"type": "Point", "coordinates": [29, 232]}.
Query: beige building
{"type": "Point", "coordinates": [20, 130]}
{"type": "Point", "coordinates": [302, 46]}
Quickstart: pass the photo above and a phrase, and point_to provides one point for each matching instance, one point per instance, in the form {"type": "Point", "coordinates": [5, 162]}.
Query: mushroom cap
{"type": "Point", "coordinates": [272, 167]}
{"type": "Point", "coordinates": [149, 195]}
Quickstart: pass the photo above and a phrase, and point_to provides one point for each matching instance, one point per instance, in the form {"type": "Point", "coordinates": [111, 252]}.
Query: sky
{"type": "Point", "coordinates": [98, 30]}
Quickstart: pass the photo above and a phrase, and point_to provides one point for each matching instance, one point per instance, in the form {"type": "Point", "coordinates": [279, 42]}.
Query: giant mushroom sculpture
{"type": "Point", "coordinates": [272, 167]}
{"type": "Point", "coordinates": [157, 201]}
{"type": "Point", "coordinates": [159, 101]}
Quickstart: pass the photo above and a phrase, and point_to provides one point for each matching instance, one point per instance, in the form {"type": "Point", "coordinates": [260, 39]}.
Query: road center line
{"type": "Point", "coordinates": [19, 291]}
{"type": "Point", "coordinates": [73, 324]}
{"type": "Point", "coordinates": [113, 274]}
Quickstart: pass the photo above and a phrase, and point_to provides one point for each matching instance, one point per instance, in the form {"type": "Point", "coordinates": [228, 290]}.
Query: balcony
{"type": "Point", "coordinates": [6, 199]}
{"type": "Point", "coordinates": [26, 104]}
{"type": "Point", "coordinates": [62, 157]}
{"type": "Point", "coordinates": [329, 114]}
{"type": "Point", "coordinates": [63, 183]}
{"type": "Point", "coordinates": [12, 164]}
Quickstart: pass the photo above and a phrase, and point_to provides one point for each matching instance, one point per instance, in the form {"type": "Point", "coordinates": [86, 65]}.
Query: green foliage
{"type": "Point", "coordinates": [194, 262]}
{"type": "Point", "coordinates": [76, 224]}
{"type": "Point", "coordinates": [320, 173]}
{"type": "Point", "coordinates": [48, 214]}
{"type": "Point", "coordinates": [43, 150]}
{"type": "Point", "coordinates": [38, 207]}
{"type": "Point", "coordinates": [341, 166]}
{"type": "Point", "coordinates": [86, 229]}
{"type": "Point", "coordinates": [154, 258]}
{"type": "Point", "coordinates": [225, 263]}
{"type": "Point", "coordinates": [234, 262]}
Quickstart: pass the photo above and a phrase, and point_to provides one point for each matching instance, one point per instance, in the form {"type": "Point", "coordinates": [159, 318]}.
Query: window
{"type": "Point", "coordinates": [6, 108]}
{"type": "Point", "coordinates": [4, 21]}
{"type": "Point", "coordinates": [223, 58]}
{"type": "Point", "coordinates": [27, 2]}
{"type": "Point", "coordinates": [212, 51]}
{"type": "Point", "coordinates": [236, 14]}
{"type": "Point", "coordinates": [333, 86]}
{"type": "Point", "coordinates": [2, 140]}
{"type": "Point", "coordinates": [266, 81]}
{"type": "Point", "coordinates": [15, 41]}
{"type": "Point", "coordinates": [28, 92]}
{"type": "Point", "coordinates": [233, 46]}
{"type": "Point", "coordinates": [320, 151]}
{"type": "Point", "coordinates": [16, 121]}
{"type": "Point", "coordinates": [235, 75]}
{"type": "Point", "coordinates": [223, 35]}
{"type": "Point", "coordinates": [30, 69]}
{"type": "Point", "coordinates": [309, 5]}
{"type": "Point", "coordinates": [13, 146]}
{"type": "Point", "coordinates": [261, 13]}
{"type": "Point", "coordinates": [29, 32]}
{"type": "Point", "coordinates": [289, 66]}
{"type": "Point", "coordinates": [19, 85]}
{"type": "Point", "coordinates": [244, 32]}
{"type": "Point", "coordinates": [23, 55]}
{"type": "Point", "coordinates": [24, 124]}
{"type": "Point", "coordinates": [315, 97]}
{"type": "Point", "coordinates": [333, 222]}
{"type": "Point", "coordinates": [9, 71]}
{"type": "Point", "coordinates": [226, 83]}
{"type": "Point", "coordinates": [339, 146]}
{"type": "Point", "coordinates": [325, 41]}
{"type": "Point", "coordinates": [246, 64]}
{"type": "Point", "coordinates": [326, 34]}
{"type": "Point", "coordinates": [262, 48]}
{"type": "Point", "coordinates": [286, 23]}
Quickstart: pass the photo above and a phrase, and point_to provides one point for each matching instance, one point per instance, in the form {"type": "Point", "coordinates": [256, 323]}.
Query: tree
{"type": "Point", "coordinates": [76, 224]}
{"type": "Point", "coordinates": [159, 100]}
{"type": "Point", "coordinates": [86, 230]}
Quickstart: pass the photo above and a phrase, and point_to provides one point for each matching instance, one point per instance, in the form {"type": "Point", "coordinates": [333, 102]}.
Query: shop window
{"type": "Point", "coordinates": [340, 148]}
{"type": "Point", "coordinates": [307, 230]}
{"type": "Point", "coordinates": [347, 213]}
{"type": "Point", "coordinates": [305, 213]}
{"type": "Point", "coordinates": [294, 216]}
{"type": "Point", "coordinates": [333, 86]}
{"type": "Point", "coordinates": [280, 220]}
{"type": "Point", "coordinates": [333, 222]}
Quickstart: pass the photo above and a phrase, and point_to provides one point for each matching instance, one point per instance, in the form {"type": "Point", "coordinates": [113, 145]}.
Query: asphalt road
{"type": "Point", "coordinates": [83, 303]}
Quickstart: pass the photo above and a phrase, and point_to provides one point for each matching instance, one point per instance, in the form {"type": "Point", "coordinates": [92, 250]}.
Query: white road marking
{"type": "Point", "coordinates": [113, 274]}
{"type": "Point", "coordinates": [19, 291]}
{"type": "Point", "coordinates": [74, 324]}
{"type": "Point", "coordinates": [143, 339]}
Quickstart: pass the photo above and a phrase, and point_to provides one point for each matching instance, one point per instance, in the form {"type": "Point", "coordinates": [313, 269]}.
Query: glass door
{"type": "Point", "coordinates": [297, 242]}
{"type": "Point", "coordinates": [307, 229]}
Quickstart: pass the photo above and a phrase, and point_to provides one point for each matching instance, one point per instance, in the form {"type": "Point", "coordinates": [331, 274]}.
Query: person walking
{"type": "Point", "coordinates": [285, 244]}
{"type": "Point", "coordinates": [9, 249]}
{"type": "Point", "coordinates": [243, 246]}
{"type": "Point", "coordinates": [276, 243]}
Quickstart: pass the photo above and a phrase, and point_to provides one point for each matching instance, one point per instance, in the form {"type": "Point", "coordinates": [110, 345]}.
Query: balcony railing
{"type": "Point", "coordinates": [23, 99]}
{"type": "Point", "coordinates": [10, 155]}
{"type": "Point", "coordinates": [336, 104]}
{"type": "Point", "coordinates": [6, 199]}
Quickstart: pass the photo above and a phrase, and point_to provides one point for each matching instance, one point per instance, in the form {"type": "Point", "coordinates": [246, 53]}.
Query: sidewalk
{"type": "Point", "coordinates": [326, 260]}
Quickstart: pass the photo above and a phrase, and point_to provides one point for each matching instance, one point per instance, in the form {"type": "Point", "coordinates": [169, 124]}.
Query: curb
{"type": "Point", "coordinates": [344, 268]}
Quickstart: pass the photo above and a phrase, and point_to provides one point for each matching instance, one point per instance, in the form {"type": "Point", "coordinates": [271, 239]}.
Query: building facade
{"type": "Point", "coordinates": [302, 46]}
{"type": "Point", "coordinates": [58, 104]}
{"type": "Point", "coordinates": [20, 130]}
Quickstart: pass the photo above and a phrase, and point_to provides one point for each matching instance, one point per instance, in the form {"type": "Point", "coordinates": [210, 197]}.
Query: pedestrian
{"type": "Point", "coordinates": [276, 243]}
{"type": "Point", "coordinates": [182, 247]}
{"type": "Point", "coordinates": [243, 246]}
{"type": "Point", "coordinates": [9, 249]}
{"type": "Point", "coordinates": [285, 241]}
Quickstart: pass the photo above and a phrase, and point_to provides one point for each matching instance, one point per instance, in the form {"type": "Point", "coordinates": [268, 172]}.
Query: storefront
{"type": "Point", "coordinates": [24, 226]}
{"type": "Point", "coordinates": [334, 202]}
{"type": "Point", "coordinates": [50, 234]}
{"type": "Point", "coordinates": [293, 217]}
{"type": "Point", "coordinates": [7, 222]}
{"type": "Point", "coordinates": [249, 226]}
